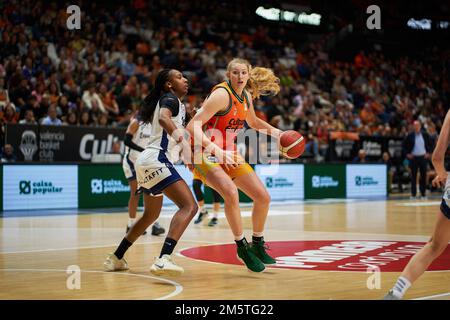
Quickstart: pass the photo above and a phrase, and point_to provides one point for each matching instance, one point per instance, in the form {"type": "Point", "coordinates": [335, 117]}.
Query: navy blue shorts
{"type": "Point", "coordinates": [445, 209]}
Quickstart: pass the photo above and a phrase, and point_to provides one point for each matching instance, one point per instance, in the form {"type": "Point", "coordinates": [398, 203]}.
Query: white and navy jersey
{"type": "Point", "coordinates": [154, 166]}
{"type": "Point", "coordinates": [159, 138]}
{"type": "Point", "coordinates": [141, 138]}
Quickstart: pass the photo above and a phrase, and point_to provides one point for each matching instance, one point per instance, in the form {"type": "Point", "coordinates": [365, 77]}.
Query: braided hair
{"type": "Point", "coordinates": [148, 106]}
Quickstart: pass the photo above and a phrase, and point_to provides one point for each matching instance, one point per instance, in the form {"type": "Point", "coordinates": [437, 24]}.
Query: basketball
{"type": "Point", "coordinates": [292, 144]}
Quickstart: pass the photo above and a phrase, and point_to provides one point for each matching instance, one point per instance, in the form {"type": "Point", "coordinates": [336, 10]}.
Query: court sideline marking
{"type": "Point", "coordinates": [101, 246]}
{"type": "Point", "coordinates": [433, 296]}
{"type": "Point", "coordinates": [178, 287]}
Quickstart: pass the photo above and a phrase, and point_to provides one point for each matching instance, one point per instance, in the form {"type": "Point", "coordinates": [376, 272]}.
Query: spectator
{"type": "Point", "coordinates": [7, 154]}
{"type": "Point", "coordinates": [108, 100]}
{"type": "Point", "coordinates": [124, 101]}
{"type": "Point", "coordinates": [102, 120]}
{"type": "Point", "coordinates": [90, 97]}
{"type": "Point", "coordinates": [71, 119]}
{"type": "Point", "coordinates": [85, 118]}
{"type": "Point", "coordinates": [19, 95]}
{"type": "Point", "coordinates": [361, 158]}
{"type": "Point", "coordinates": [9, 114]}
{"type": "Point", "coordinates": [386, 159]}
{"type": "Point", "coordinates": [29, 118]}
{"type": "Point", "coordinates": [128, 67]}
{"type": "Point", "coordinates": [52, 117]}
{"type": "Point", "coordinates": [4, 97]}
{"type": "Point", "coordinates": [418, 146]}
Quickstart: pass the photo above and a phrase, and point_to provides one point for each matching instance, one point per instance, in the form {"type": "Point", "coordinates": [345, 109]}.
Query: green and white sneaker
{"type": "Point", "coordinates": [259, 249]}
{"type": "Point", "coordinates": [247, 257]}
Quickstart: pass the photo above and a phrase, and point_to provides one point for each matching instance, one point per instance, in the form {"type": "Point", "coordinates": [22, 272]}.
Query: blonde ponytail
{"type": "Point", "coordinates": [263, 82]}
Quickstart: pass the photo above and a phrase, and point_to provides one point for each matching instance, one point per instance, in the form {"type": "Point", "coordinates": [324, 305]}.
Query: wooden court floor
{"type": "Point", "coordinates": [37, 251]}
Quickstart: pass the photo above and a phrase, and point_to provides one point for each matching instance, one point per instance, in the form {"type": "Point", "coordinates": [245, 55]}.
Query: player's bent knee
{"type": "Point", "coordinates": [230, 193]}
{"type": "Point", "coordinates": [437, 247]}
{"type": "Point", "coordinates": [264, 198]}
{"type": "Point", "coordinates": [190, 209]}
{"type": "Point", "coordinates": [193, 209]}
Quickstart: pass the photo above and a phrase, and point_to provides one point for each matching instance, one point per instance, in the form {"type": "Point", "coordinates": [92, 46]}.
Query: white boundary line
{"type": "Point", "coordinates": [99, 246]}
{"type": "Point", "coordinates": [178, 287]}
{"type": "Point", "coordinates": [434, 296]}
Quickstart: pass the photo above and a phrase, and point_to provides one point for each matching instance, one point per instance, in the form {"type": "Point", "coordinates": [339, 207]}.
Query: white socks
{"type": "Point", "coordinates": [238, 238]}
{"type": "Point", "coordinates": [400, 287]}
{"type": "Point", "coordinates": [131, 221]}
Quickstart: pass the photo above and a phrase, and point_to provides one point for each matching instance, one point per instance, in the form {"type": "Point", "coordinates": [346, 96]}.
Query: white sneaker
{"type": "Point", "coordinates": [164, 266]}
{"type": "Point", "coordinates": [112, 263]}
{"type": "Point", "coordinates": [391, 296]}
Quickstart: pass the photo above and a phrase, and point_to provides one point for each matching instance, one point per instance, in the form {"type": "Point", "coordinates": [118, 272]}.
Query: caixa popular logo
{"type": "Point", "coordinates": [323, 182]}
{"type": "Point", "coordinates": [315, 181]}
{"type": "Point", "coordinates": [365, 181]}
{"type": "Point", "coordinates": [100, 186]}
{"type": "Point", "coordinates": [27, 187]}
{"type": "Point", "coordinates": [96, 186]}
{"type": "Point", "coordinates": [279, 182]}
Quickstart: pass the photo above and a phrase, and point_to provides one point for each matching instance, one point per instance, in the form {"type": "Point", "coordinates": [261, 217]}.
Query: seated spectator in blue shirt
{"type": "Point", "coordinates": [51, 119]}
{"type": "Point", "coordinates": [128, 67]}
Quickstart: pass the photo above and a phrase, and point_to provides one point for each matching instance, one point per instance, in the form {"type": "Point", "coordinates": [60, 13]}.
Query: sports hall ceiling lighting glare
{"type": "Point", "coordinates": [443, 24]}
{"type": "Point", "coordinates": [424, 24]}
{"type": "Point", "coordinates": [275, 14]}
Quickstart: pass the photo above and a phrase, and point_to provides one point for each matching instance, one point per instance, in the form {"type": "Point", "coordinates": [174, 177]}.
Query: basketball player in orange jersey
{"type": "Point", "coordinates": [223, 114]}
{"type": "Point", "coordinates": [441, 235]}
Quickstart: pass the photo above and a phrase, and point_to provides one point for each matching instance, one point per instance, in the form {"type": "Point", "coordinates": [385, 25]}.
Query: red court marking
{"type": "Point", "coordinates": [331, 255]}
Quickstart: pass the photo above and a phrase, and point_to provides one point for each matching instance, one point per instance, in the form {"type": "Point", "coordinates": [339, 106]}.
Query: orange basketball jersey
{"type": "Point", "coordinates": [224, 126]}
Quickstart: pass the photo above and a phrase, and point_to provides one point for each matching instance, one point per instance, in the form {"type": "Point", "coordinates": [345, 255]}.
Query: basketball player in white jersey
{"type": "Point", "coordinates": [420, 262]}
{"type": "Point", "coordinates": [136, 138]}
{"type": "Point", "coordinates": [156, 174]}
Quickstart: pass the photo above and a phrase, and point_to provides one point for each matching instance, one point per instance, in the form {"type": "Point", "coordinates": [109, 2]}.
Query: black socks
{"type": "Point", "coordinates": [241, 243]}
{"type": "Point", "coordinates": [257, 240]}
{"type": "Point", "coordinates": [169, 245]}
{"type": "Point", "coordinates": [122, 248]}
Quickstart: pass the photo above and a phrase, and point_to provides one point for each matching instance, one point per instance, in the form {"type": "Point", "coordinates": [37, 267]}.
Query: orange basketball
{"type": "Point", "coordinates": [292, 144]}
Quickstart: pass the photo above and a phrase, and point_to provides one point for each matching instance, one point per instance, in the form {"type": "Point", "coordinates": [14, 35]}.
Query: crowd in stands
{"type": "Point", "coordinates": [97, 76]}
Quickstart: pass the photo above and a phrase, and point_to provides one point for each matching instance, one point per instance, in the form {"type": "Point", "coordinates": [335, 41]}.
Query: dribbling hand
{"type": "Point", "coordinates": [229, 159]}
{"type": "Point", "coordinates": [439, 180]}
